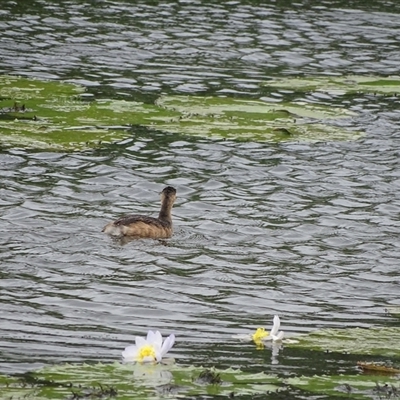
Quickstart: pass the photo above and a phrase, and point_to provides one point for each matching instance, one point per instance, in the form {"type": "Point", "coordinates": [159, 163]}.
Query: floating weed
{"type": "Point", "coordinates": [236, 108]}
{"type": "Point", "coordinates": [378, 368]}
{"type": "Point", "coordinates": [338, 85]}
{"type": "Point", "coordinates": [55, 115]}
{"type": "Point", "coordinates": [127, 381]}
{"type": "Point", "coordinates": [169, 389]}
{"type": "Point", "coordinates": [393, 311]}
{"type": "Point", "coordinates": [354, 386]}
{"type": "Point", "coordinates": [95, 393]}
{"type": "Point", "coordinates": [209, 377]}
{"type": "Point", "coordinates": [243, 119]}
{"type": "Point", "coordinates": [383, 341]}
{"type": "Point", "coordinates": [386, 390]}
{"type": "Point", "coordinates": [122, 381]}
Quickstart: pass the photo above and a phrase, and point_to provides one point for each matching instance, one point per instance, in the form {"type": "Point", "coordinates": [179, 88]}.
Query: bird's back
{"type": "Point", "coordinates": [139, 226]}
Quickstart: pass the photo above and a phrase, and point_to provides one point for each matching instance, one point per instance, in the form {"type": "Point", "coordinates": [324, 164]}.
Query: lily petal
{"type": "Point", "coordinates": [148, 349]}
{"type": "Point", "coordinates": [140, 342]}
{"type": "Point", "coordinates": [130, 353]}
{"type": "Point", "coordinates": [148, 359]}
{"type": "Point", "coordinates": [276, 326]}
{"type": "Point", "coordinates": [150, 336]}
{"type": "Point", "coordinates": [278, 337]}
{"type": "Point", "coordinates": [157, 340]}
{"type": "Point", "coordinates": [243, 337]}
{"type": "Point", "coordinates": [167, 345]}
{"type": "Point", "coordinates": [158, 356]}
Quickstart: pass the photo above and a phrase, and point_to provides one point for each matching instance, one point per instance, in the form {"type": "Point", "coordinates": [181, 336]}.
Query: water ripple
{"type": "Point", "coordinates": [306, 230]}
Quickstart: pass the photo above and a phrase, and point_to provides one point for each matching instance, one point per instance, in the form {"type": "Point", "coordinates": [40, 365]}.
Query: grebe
{"type": "Point", "coordinates": [141, 226]}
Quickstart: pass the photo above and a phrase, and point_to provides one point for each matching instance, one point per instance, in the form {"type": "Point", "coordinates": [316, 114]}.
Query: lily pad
{"type": "Point", "coordinates": [233, 118]}
{"type": "Point", "coordinates": [338, 84]}
{"type": "Point", "coordinates": [51, 114]}
{"type": "Point", "coordinates": [233, 107]}
{"type": "Point", "coordinates": [374, 341]}
{"type": "Point", "coordinates": [394, 311]}
{"type": "Point", "coordinates": [348, 386]}
{"type": "Point", "coordinates": [127, 381]}
{"type": "Point", "coordinates": [62, 116]}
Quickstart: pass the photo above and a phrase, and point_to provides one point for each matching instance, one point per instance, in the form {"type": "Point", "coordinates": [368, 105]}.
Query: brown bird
{"type": "Point", "coordinates": [141, 226]}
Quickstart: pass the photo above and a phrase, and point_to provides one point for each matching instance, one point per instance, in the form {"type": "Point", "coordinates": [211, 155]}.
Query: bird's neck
{"type": "Point", "coordinates": [165, 212]}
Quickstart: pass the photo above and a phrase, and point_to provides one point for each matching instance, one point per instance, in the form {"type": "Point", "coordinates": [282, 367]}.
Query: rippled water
{"type": "Point", "coordinates": [306, 230]}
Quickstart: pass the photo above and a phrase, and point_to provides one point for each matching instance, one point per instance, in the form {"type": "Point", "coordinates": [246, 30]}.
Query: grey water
{"type": "Point", "coordinates": [306, 230]}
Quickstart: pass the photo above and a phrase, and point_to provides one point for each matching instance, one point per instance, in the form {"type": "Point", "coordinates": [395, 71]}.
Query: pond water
{"type": "Point", "coordinates": [306, 230]}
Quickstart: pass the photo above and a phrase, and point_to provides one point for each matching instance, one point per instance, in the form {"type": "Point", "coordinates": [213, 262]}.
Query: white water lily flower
{"type": "Point", "coordinates": [261, 335]}
{"type": "Point", "coordinates": [150, 349]}
{"type": "Point", "coordinates": [275, 334]}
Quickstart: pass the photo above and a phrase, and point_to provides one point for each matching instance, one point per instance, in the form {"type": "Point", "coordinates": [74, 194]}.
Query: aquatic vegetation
{"type": "Point", "coordinates": [149, 379]}
{"type": "Point", "coordinates": [356, 386]}
{"type": "Point", "coordinates": [209, 377]}
{"type": "Point", "coordinates": [378, 367]}
{"type": "Point", "coordinates": [127, 381]}
{"type": "Point", "coordinates": [243, 119]}
{"type": "Point", "coordinates": [276, 334]}
{"type": "Point", "coordinates": [63, 116]}
{"type": "Point", "coordinates": [338, 84]}
{"type": "Point", "coordinates": [394, 311]}
{"type": "Point", "coordinates": [261, 335]}
{"type": "Point", "coordinates": [374, 341]}
{"type": "Point", "coordinates": [151, 349]}
{"type": "Point", "coordinates": [198, 106]}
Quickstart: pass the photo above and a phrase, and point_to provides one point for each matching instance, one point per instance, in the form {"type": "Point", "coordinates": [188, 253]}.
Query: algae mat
{"type": "Point", "coordinates": [62, 116]}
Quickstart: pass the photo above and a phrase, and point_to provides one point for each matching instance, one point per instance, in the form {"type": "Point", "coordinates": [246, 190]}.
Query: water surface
{"type": "Point", "coordinates": [308, 231]}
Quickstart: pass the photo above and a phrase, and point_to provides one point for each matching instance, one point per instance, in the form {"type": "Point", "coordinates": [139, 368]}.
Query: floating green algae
{"type": "Point", "coordinates": [338, 84]}
{"type": "Point", "coordinates": [61, 116]}
{"type": "Point", "coordinates": [394, 311]}
{"type": "Point", "coordinates": [348, 386]}
{"type": "Point", "coordinates": [53, 115]}
{"type": "Point", "coordinates": [232, 118]}
{"type": "Point", "coordinates": [373, 341]}
{"type": "Point", "coordinates": [127, 381]}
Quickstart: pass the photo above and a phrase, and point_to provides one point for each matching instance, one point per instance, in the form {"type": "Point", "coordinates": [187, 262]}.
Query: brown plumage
{"type": "Point", "coordinates": [141, 226]}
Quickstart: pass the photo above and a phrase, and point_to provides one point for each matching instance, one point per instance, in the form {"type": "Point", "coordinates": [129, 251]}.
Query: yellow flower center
{"type": "Point", "coordinates": [146, 351]}
{"type": "Point", "coordinates": [259, 334]}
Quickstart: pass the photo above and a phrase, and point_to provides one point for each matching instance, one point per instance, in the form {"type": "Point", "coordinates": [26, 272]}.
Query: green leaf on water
{"type": "Point", "coordinates": [129, 381]}
{"type": "Point", "coordinates": [394, 311]}
{"type": "Point", "coordinates": [348, 386]}
{"type": "Point", "coordinates": [55, 115]}
{"type": "Point", "coordinates": [234, 107]}
{"type": "Point", "coordinates": [373, 341]}
{"type": "Point", "coordinates": [232, 118]}
{"type": "Point", "coordinates": [338, 84]}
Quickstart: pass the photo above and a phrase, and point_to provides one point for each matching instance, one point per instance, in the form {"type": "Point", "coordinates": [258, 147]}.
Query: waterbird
{"type": "Point", "coordinates": [142, 226]}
